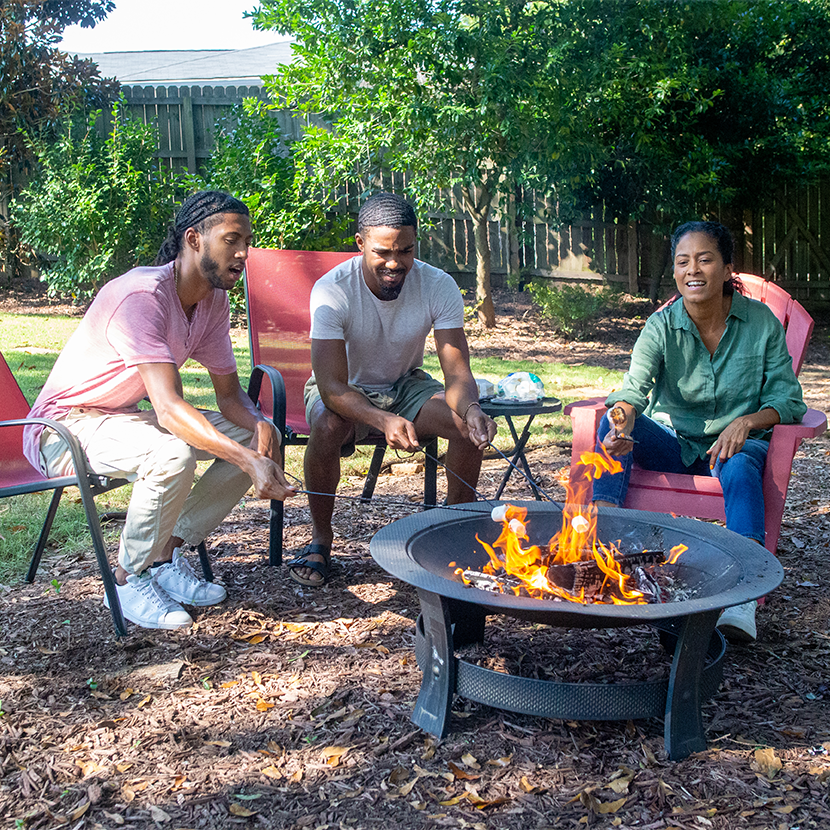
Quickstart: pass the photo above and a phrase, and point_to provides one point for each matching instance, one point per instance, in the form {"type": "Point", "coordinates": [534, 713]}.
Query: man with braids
{"type": "Point", "coordinates": [370, 318]}
{"type": "Point", "coordinates": [135, 336]}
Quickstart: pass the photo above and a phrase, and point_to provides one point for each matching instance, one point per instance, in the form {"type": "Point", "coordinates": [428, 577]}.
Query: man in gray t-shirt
{"type": "Point", "coordinates": [370, 318]}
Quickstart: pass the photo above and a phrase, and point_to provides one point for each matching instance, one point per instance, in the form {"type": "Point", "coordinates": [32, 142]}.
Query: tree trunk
{"type": "Point", "coordinates": [484, 291]}
{"type": "Point", "coordinates": [479, 209]}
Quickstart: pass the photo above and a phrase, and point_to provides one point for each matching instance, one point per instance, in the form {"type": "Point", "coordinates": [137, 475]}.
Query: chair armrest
{"type": "Point", "coordinates": [82, 471]}
{"type": "Point", "coordinates": [585, 418]}
{"type": "Point", "coordinates": [813, 424]}
{"type": "Point", "coordinates": [278, 401]}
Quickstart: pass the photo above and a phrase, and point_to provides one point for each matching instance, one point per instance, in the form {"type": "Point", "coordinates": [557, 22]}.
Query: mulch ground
{"type": "Point", "coordinates": [287, 707]}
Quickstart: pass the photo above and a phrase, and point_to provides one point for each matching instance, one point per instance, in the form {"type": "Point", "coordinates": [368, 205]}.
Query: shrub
{"type": "Point", "coordinates": [98, 206]}
{"type": "Point", "coordinates": [571, 308]}
{"type": "Point", "coordinates": [253, 161]}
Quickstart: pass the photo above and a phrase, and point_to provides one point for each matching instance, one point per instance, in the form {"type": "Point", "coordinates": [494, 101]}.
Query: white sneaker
{"type": "Point", "coordinates": [148, 605]}
{"type": "Point", "coordinates": [180, 581]}
{"type": "Point", "coordinates": [738, 623]}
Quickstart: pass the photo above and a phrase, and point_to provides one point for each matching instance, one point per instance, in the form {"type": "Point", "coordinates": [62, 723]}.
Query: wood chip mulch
{"type": "Point", "coordinates": [289, 707]}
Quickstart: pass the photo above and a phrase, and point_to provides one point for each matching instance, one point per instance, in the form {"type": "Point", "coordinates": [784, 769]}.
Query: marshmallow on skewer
{"type": "Point", "coordinates": [518, 527]}
{"type": "Point", "coordinates": [580, 524]}
{"type": "Point", "coordinates": [499, 514]}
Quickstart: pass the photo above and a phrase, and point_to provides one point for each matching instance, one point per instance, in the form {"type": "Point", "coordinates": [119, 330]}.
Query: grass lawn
{"type": "Point", "coordinates": [31, 344]}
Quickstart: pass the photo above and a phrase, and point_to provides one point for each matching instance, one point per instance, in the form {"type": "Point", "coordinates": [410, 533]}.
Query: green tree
{"type": "Point", "coordinates": [39, 84]}
{"type": "Point", "coordinates": [717, 101]}
{"type": "Point", "coordinates": [648, 106]}
{"type": "Point", "coordinates": [453, 94]}
{"type": "Point", "coordinates": [253, 160]}
{"type": "Point", "coordinates": [98, 205]}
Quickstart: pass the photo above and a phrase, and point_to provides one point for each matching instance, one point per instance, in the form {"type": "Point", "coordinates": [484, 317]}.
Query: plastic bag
{"type": "Point", "coordinates": [521, 387]}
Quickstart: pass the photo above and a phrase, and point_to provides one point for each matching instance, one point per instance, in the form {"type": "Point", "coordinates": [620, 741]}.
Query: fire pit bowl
{"type": "Point", "coordinates": [719, 569]}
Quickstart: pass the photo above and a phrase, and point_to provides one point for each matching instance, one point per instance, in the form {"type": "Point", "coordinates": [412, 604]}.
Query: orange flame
{"type": "Point", "coordinates": [576, 541]}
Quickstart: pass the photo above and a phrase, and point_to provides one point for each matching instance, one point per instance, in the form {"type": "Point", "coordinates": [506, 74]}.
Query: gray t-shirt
{"type": "Point", "coordinates": [384, 338]}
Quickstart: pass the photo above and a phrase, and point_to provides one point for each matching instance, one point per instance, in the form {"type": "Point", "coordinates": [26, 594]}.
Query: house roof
{"type": "Point", "coordinates": [204, 67]}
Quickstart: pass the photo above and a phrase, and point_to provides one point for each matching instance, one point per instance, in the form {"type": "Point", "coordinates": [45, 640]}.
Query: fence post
{"type": "Point", "coordinates": [188, 133]}
{"type": "Point", "coordinates": [633, 259]}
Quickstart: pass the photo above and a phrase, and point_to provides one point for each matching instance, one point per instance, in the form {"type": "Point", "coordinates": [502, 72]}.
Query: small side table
{"type": "Point", "coordinates": [496, 409]}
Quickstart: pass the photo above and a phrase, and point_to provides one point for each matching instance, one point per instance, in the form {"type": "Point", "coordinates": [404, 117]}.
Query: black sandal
{"type": "Point", "coordinates": [302, 561]}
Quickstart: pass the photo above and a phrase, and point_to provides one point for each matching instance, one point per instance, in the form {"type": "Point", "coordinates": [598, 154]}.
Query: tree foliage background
{"type": "Point", "coordinates": [651, 107]}
{"type": "Point", "coordinates": [39, 84]}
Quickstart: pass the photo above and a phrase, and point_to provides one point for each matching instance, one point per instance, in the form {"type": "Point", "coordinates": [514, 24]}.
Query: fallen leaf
{"type": "Point", "coordinates": [229, 685]}
{"type": "Point", "coordinates": [406, 789]}
{"type": "Point", "coordinates": [398, 775]}
{"type": "Point", "coordinates": [44, 650]}
{"type": "Point", "coordinates": [611, 806]}
{"type": "Point", "coordinates": [144, 701]}
{"type": "Point", "coordinates": [123, 767]}
{"type": "Point", "coordinates": [334, 754]}
{"type": "Point", "coordinates": [264, 705]}
{"type": "Point", "coordinates": [500, 762]}
{"type": "Point", "coordinates": [460, 773]}
{"type": "Point", "coordinates": [114, 817]}
{"type": "Point", "coordinates": [238, 810]}
{"type": "Point", "coordinates": [158, 814]}
{"type": "Point", "coordinates": [223, 744]}
{"type": "Point", "coordinates": [256, 639]}
{"type": "Point", "coordinates": [470, 761]}
{"type": "Point", "coordinates": [271, 772]}
{"type": "Point", "coordinates": [453, 801]}
{"type": "Point", "coordinates": [79, 811]}
{"type": "Point", "coordinates": [296, 777]}
{"type": "Point", "coordinates": [128, 793]}
{"type": "Point", "coordinates": [126, 693]}
{"type": "Point", "coordinates": [784, 810]}
{"type": "Point", "coordinates": [256, 677]}
{"type": "Point", "coordinates": [766, 762]}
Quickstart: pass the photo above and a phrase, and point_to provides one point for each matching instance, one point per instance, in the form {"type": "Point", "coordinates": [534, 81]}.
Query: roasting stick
{"type": "Point", "coordinates": [520, 470]}
{"type": "Point", "coordinates": [384, 500]}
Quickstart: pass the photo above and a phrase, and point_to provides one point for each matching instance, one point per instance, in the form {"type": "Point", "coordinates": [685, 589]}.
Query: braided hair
{"type": "Point", "coordinates": [201, 211]}
{"type": "Point", "coordinates": [387, 210]}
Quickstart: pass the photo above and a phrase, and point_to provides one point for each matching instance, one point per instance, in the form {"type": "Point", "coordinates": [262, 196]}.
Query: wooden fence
{"type": "Point", "coordinates": [789, 243]}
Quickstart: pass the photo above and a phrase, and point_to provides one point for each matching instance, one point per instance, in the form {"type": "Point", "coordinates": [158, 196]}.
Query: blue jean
{"type": "Point", "coordinates": [658, 449]}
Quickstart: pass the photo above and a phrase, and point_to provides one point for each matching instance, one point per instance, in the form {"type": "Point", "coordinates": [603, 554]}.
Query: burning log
{"type": "Point", "coordinates": [584, 577]}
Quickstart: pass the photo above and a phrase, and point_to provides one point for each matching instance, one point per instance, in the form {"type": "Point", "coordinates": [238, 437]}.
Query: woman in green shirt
{"type": "Point", "coordinates": [710, 376]}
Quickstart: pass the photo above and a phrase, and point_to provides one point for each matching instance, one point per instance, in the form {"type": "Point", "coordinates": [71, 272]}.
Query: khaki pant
{"type": "Point", "coordinates": [164, 502]}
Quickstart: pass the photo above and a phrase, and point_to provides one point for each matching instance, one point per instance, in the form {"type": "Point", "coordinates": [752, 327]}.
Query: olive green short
{"type": "Point", "coordinates": [406, 397]}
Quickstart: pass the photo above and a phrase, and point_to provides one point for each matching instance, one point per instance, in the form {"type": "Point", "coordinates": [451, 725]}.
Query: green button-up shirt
{"type": "Point", "coordinates": [674, 380]}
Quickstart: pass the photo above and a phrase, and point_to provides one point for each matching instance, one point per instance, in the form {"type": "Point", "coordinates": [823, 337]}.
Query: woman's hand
{"type": "Point", "coordinates": [618, 441]}
{"type": "Point", "coordinates": [730, 441]}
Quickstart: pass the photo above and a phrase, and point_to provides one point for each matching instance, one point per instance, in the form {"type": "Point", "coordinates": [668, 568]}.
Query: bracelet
{"type": "Point", "coordinates": [464, 416]}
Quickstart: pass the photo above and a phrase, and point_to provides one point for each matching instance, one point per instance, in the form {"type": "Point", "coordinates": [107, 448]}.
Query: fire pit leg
{"type": "Point", "coordinates": [432, 710]}
{"type": "Point", "coordinates": [683, 731]}
{"type": "Point", "coordinates": [468, 621]}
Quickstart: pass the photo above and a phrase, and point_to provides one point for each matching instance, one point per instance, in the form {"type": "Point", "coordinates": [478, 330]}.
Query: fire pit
{"type": "Point", "coordinates": [719, 569]}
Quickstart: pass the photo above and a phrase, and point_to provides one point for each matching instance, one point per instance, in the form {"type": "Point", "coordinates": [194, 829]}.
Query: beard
{"type": "Point", "coordinates": [210, 270]}
{"type": "Point", "coordinates": [390, 292]}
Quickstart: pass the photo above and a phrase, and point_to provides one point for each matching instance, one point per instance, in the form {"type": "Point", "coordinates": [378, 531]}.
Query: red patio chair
{"type": "Point", "coordinates": [17, 477]}
{"type": "Point", "coordinates": [701, 496]}
{"type": "Point", "coordinates": [278, 288]}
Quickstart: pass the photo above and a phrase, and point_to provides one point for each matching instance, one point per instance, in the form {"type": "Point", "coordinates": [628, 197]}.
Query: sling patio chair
{"type": "Point", "coordinates": [701, 496]}
{"type": "Point", "coordinates": [278, 288]}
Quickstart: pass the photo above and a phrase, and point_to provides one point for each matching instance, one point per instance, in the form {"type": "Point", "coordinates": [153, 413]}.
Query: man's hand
{"type": "Point", "coordinates": [400, 433]}
{"type": "Point", "coordinates": [481, 429]}
{"type": "Point", "coordinates": [269, 480]}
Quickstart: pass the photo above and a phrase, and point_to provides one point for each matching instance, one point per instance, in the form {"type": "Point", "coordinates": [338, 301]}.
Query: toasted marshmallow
{"type": "Point", "coordinates": [518, 527]}
{"type": "Point", "coordinates": [580, 524]}
{"type": "Point", "coordinates": [499, 514]}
